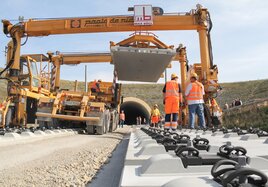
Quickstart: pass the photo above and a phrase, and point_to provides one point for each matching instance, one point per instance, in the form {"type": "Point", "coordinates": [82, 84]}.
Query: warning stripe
{"type": "Point", "coordinates": [53, 77]}
{"type": "Point", "coordinates": [114, 81]}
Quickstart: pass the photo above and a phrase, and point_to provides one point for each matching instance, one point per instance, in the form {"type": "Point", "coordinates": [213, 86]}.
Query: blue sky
{"type": "Point", "coordinates": [239, 34]}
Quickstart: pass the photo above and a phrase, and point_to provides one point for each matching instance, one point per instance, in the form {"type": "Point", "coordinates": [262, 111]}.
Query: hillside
{"type": "Point", "coordinates": [251, 114]}
{"type": "Point", "coordinates": [249, 92]}
{"type": "Point", "coordinates": [150, 93]}
{"type": "Point", "coordinates": [64, 84]}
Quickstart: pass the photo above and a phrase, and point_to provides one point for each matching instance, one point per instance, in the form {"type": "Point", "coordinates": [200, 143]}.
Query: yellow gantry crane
{"type": "Point", "coordinates": [196, 19]}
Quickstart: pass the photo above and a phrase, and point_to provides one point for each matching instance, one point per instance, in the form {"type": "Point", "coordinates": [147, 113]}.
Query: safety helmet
{"type": "Point", "coordinates": [174, 75]}
{"type": "Point", "coordinates": [155, 105]}
{"type": "Point", "coordinates": [99, 80]}
{"type": "Point", "coordinates": [194, 75]}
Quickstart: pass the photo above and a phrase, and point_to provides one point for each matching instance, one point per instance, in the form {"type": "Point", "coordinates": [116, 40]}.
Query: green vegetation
{"type": "Point", "coordinates": [248, 92]}
{"type": "Point", "coordinates": [252, 116]}
{"type": "Point", "coordinates": [70, 85]}
{"type": "Point", "coordinates": [150, 93]}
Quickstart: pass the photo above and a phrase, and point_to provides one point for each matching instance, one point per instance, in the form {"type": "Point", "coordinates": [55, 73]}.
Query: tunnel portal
{"type": "Point", "coordinates": [133, 108]}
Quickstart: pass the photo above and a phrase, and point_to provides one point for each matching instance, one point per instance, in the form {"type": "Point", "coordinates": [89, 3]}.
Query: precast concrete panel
{"type": "Point", "coordinates": [140, 64]}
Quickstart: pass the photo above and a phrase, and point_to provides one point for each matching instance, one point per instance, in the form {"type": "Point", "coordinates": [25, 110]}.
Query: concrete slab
{"type": "Point", "coordinates": [28, 134]}
{"type": "Point", "coordinates": [151, 149]}
{"type": "Point", "coordinates": [204, 181]}
{"type": "Point", "coordinates": [160, 170]}
{"type": "Point", "coordinates": [266, 141]}
{"type": "Point", "coordinates": [259, 163]}
{"type": "Point", "coordinates": [161, 164]}
{"type": "Point", "coordinates": [249, 137]}
{"type": "Point", "coordinates": [213, 149]}
{"type": "Point", "coordinates": [39, 132]}
{"type": "Point", "coordinates": [137, 156]}
{"type": "Point", "coordinates": [49, 132]}
{"type": "Point", "coordinates": [140, 138]}
{"type": "Point", "coordinates": [140, 64]}
{"type": "Point", "coordinates": [130, 178]}
{"type": "Point", "coordinates": [136, 160]}
{"type": "Point", "coordinates": [217, 134]}
{"type": "Point", "coordinates": [207, 132]}
{"type": "Point", "coordinates": [12, 135]}
{"type": "Point", "coordinates": [56, 131]}
{"type": "Point", "coordinates": [228, 135]}
{"type": "Point", "coordinates": [145, 142]}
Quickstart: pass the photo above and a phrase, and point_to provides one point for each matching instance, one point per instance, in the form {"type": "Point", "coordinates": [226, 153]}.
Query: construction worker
{"type": "Point", "coordinates": [172, 98]}
{"type": "Point", "coordinates": [155, 116]}
{"type": "Point", "coordinates": [194, 94]}
{"type": "Point", "coordinates": [122, 119]}
{"type": "Point", "coordinates": [96, 86]}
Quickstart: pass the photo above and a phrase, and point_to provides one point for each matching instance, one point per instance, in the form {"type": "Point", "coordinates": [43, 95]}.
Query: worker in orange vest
{"type": "Point", "coordinates": [172, 99]}
{"type": "Point", "coordinates": [122, 119]}
{"type": "Point", "coordinates": [96, 86]}
{"type": "Point", "coordinates": [155, 116]}
{"type": "Point", "coordinates": [194, 94]}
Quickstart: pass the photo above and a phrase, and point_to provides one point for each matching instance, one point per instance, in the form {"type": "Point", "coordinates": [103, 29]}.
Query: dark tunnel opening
{"type": "Point", "coordinates": [133, 110]}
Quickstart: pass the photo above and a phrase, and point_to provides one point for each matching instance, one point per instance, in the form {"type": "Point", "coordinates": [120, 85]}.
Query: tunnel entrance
{"type": "Point", "coordinates": [133, 108]}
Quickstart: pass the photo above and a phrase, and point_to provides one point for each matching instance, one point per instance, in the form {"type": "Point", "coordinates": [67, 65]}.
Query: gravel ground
{"type": "Point", "coordinates": [63, 161]}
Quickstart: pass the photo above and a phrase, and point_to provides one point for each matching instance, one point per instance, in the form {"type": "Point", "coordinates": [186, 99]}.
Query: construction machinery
{"type": "Point", "coordinates": [145, 18]}
{"type": "Point", "coordinates": [213, 113]}
{"type": "Point", "coordinates": [33, 83]}
{"type": "Point", "coordinates": [97, 112]}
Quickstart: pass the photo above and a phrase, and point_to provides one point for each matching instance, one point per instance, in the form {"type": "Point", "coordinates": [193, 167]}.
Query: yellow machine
{"type": "Point", "coordinates": [97, 112]}
{"type": "Point", "coordinates": [197, 19]}
{"type": "Point", "coordinates": [211, 86]}
{"type": "Point", "coordinates": [33, 83]}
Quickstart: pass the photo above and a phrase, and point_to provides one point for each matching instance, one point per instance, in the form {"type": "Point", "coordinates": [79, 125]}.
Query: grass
{"type": "Point", "coordinates": [254, 116]}
{"type": "Point", "coordinates": [248, 92]}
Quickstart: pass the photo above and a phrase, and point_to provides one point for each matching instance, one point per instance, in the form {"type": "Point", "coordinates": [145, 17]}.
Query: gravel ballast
{"type": "Point", "coordinates": [73, 161]}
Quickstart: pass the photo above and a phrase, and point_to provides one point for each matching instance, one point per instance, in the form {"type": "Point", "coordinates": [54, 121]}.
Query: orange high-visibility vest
{"type": "Point", "coordinates": [196, 91]}
{"type": "Point", "coordinates": [94, 86]}
{"type": "Point", "coordinates": [172, 89]}
{"type": "Point", "coordinates": [122, 116]}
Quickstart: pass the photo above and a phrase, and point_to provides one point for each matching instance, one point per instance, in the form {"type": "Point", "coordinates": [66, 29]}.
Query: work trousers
{"type": "Point", "coordinates": [171, 121]}
{"type": "Point", "coordinates": [171, 105]}
{"type": "Point", "coordinates": [199, 110]}
{"type": "Point", "coordinates": [121, 123]}
{"type": "Point", "coordinates": [171, 110]}
{"type": "Point", "coordinates": [155, 119]}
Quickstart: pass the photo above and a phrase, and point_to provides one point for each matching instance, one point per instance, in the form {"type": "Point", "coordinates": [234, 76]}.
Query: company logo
{"type": "Point", "coordinates": [75, 23]}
